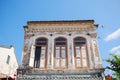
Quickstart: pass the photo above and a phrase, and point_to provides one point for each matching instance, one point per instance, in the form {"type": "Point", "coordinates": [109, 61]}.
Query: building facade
{"type": "Point", "coordinates": [61, 50]}
{"type": "Point", "coordinates": [8, 62]}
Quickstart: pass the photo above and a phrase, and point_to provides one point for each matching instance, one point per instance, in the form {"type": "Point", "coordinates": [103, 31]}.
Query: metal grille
{"type": "Point", "coordinates": [59, 75]}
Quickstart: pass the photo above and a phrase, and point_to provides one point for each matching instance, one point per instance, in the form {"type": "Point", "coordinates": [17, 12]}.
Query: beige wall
{"type": "Point", "coordinates": [38, 29]}
{"type": "Point", "coordinates": [92, 64]}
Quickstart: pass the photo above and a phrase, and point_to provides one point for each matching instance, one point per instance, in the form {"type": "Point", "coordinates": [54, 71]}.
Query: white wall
{"type": "Point", "coordinates": [8, 69]}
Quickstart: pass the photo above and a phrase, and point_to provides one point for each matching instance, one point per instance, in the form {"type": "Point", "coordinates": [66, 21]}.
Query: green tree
{"type": "Point", "coordinates": [114, 65]}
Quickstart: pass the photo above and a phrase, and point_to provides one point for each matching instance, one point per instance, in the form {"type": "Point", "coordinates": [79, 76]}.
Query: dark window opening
{"type": "Point", "coordinates": [37, 57]}
{"type": "Point", "coordinates": [41, 41]}
{"type": "Point", "coordinates": [60, 41]}
{"type": "Point", "coordinates": [79, 41]}
{"type": "Point", "coordinates": [8, 59]}
{"type": "Point", "coordinates": [40, 53]}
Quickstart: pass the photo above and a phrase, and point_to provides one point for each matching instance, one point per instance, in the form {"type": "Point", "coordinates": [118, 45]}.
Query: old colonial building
{"type": "Point", "coordinates": [60, 50]}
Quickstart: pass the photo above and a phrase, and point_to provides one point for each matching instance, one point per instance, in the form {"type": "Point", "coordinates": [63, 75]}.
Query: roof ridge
{"type": "Point", "coordinates": [61, 21]}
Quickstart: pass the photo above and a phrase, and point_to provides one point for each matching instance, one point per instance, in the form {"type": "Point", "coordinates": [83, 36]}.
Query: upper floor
{"type": "Point", "coordinates": [61, 45]}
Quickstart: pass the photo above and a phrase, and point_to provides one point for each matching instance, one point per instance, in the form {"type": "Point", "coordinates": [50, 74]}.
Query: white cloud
{"type": "Point", "coordinates": [113, 35]}
{"type": "Point", "coordinates": [115, 50]}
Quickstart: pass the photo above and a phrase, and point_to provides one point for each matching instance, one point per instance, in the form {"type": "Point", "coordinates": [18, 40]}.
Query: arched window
{"type": "Point", "coordinates": [40, 53]}
{"type": "Point", "coordinates": [60, 53]}
{"type": "Point", "coordinates": [80, 54]}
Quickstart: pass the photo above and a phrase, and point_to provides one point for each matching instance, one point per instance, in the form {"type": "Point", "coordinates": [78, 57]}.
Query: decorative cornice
{"type": "Point", "coordinates": [59, 29]}
{"type": "Point", "coordinates": [60, 26]}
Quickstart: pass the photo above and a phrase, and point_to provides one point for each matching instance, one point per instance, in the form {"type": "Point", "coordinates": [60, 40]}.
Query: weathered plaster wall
{"type": "Point", "coordinates": [69, 31]}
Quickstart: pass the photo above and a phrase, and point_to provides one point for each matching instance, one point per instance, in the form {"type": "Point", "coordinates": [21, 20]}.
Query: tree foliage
{"type": "Point", "coordinates": [114, 64]}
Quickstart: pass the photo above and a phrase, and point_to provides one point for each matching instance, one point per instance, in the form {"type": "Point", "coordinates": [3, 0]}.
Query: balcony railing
{"type": "Point", "coordinates": [35, 74]}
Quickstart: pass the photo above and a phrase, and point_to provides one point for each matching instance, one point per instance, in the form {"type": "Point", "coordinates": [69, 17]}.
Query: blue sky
{"type": "Point", "coordinates": [15, 13]}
